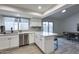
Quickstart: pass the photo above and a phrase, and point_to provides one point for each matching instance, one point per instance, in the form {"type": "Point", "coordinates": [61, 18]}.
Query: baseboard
{"type": "Point", "coordinates": [8, 48]}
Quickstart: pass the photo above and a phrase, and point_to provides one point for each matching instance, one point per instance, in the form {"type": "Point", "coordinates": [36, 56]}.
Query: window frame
{"type": "Point", "coordinates": [18, 18]}
{"type": "Point", "coordinates": [48, 26]}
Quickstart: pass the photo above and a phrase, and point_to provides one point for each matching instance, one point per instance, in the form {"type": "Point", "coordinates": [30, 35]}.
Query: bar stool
{"type": "Point", "coordinates": [56, 43]}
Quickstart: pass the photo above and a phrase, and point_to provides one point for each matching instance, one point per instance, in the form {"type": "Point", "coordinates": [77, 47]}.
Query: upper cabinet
{"type": "Point", "coordinates": [35, 23]}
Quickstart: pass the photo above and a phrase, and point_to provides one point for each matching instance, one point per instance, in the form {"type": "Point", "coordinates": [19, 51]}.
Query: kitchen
{"type": "Point", "coordinates": [18, 32]}
{"type": "Point", "coordinates": [35, 29]}
{"type": "Point", "coordinates": [39, 29]}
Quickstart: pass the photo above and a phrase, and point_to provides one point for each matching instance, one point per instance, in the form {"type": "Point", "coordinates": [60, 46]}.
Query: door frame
{"type": "Point", "coordinates": [48, 26]}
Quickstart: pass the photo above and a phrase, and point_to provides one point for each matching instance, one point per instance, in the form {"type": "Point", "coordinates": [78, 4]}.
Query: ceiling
{"type": "Point", "coordinates": [34, 7]}
{"type": "Point", "coordinates": [50, 10]}
{"type": "Point", "coordinates": [69, 12]}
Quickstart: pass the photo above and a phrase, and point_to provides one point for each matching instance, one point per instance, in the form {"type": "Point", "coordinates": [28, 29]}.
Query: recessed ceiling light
{"type": "Point", "coordinates": [63, 11]}
{"type": "Point", "coordinates": [39, 7]}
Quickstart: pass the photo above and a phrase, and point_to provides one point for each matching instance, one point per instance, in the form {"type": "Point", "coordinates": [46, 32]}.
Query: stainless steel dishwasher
{"type": "Point", "coordinates": [23, 39]}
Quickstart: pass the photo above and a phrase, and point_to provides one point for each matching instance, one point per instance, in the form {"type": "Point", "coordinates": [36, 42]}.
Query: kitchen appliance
{"type": "Point", "coordinates": [2, 29]}
{"type": "Point", "coordinates": [23, 39]}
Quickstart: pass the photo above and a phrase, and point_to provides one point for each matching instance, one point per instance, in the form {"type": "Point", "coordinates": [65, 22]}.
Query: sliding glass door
{"type": "Point", "coordinates": [48, 27]}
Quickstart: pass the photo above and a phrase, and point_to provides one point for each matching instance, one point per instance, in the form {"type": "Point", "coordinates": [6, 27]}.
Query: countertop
{"type": "Point", "coordinates": [9, 34]}
{"type": "Point", "coordinates": [29, 32]}
{"type": "Point", "coordinates": [46, 34]}
{"type": "Point", "coordinates": [49, 34]}
{"type": "Point", "coordinates": [17, 33]}
{"type": "Point", "coordinates": [26, 32]}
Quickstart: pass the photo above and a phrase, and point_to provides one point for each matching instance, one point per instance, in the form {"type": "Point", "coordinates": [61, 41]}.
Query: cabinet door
{"type": "Point", "coordinates": [14, 41]}
{"type": "Point", "coordinates": [49, 44]}
{"type": "Point", "coordinates": [35, 23]}
{"type": "Point", "coordinates": [4, 43]}
{"type": "Point", "coordinates": [21, 39]}
{"type": "Point", "coordinates": [26, 41]}
{"type": "Point", "coordinates": [40, 43]}
{"type": "Point", "coordinates": [38, 40]}
{"type": "Point", "coordinates": [31, 38]}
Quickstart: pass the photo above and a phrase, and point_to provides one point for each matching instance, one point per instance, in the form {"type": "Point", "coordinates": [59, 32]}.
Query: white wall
{"type": "Point", "coordinates": [65, 25]}
{"type": "Point", "coordinates": [70, 24]}
{"type": "Point", "coordinates": [57, 26]}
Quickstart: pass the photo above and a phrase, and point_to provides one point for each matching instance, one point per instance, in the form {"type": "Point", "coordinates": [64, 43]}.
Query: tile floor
{"type": "Point", "coordinates": [29, 49]}
{"type": "Point", "coordinates": [65, 47]}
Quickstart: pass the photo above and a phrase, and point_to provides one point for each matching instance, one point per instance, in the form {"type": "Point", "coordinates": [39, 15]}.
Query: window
{"type": "Point", "coordinates": [23, 24]}
{"type": "Point", "coordinates": [45, 26]}
{"type": "Point", "coordinates": [10, 22]}
{"type": "Point", "coordinates": [51, 27]}
{"type": "Point", "coordinates": [16, 23]}
{"type": "Point", "coordinates": [48, 27]}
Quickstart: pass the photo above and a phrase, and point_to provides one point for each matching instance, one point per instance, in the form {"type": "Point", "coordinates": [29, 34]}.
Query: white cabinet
{"type": "Point", "coordinates": [4, 43]}
{"type": "Point", "coordinates": [31, 38]}
{"type": "Point", "coordinates": [35, 24]}
{"type": "Point", "coordinates": [48, 44]}
{"type": "Point", "coordinates": [9, 41]}
{"type": "Point", "coordinates": [14, 42]}
{"type": "Point", "coordinates": [38, 40]}
{"type": "Point", "coordinates": [45, 43]}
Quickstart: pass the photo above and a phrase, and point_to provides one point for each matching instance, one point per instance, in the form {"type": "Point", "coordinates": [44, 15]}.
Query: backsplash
{"type": "Point", "coordinates": [35, 28]}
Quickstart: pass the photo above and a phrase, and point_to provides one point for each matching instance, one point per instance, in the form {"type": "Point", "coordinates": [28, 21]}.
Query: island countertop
{"type": "Point", "coordinates": [47, 34]}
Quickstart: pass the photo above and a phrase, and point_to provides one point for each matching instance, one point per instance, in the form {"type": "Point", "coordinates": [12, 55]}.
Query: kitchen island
{"type": "Point", "coordinates": [45, 41]}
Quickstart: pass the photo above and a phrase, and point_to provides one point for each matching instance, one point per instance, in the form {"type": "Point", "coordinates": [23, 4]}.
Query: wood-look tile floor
{"type": "Point", "coordinates": [29, 49]}
{"type": "Point", "coordinates": [67, 46]}
{"type": "Point", "coordinates": [64, 47]}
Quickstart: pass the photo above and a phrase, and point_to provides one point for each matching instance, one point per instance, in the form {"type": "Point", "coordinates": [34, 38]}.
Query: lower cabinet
{"type": "Point", "coordinates": [9, 42]}
{"type": "Point", "coordinates": [31, 38]}
{"type": "Point", "coordinates": [4, 43]}
{"type": "Point", "coordinates": [45, 43]}
{"type": "Point", "coordinates": [14, 41]}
